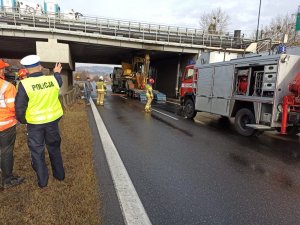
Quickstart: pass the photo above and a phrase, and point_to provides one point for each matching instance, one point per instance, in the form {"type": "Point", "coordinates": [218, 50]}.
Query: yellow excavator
{"type": "Point", "coordinates": [141, 70]}
{"type": "Point", "coordinates": [131, 76]}
{"type": "Point", "coordinates": [134, 78]}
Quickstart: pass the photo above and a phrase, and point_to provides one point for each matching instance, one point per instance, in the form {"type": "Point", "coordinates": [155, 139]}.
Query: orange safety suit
{"type": "Point", "coordinates": [7, 105]}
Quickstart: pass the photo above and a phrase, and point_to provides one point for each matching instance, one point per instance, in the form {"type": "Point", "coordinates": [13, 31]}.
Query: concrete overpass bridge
{"type": "Point", "coordinates": [108, 41]}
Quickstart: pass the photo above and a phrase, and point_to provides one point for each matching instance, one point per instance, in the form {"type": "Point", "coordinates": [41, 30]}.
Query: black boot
{"type": "Point", "coordinates": [13, 181]}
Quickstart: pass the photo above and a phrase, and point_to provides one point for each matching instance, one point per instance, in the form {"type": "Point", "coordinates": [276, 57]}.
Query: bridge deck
{"type": "Point", "coordinates": [124, 29]}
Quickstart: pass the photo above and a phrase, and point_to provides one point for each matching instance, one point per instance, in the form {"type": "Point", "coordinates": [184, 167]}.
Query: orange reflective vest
{"type": "Point", "coordinates": [7, 105]}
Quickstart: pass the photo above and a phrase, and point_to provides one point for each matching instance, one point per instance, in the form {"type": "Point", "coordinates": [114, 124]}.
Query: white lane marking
{"type": "Point", "coordinates": [164, 114]}
{"type": "Point", "coordinates": [175, 103]}
{"type": "Point", "coordinates": [123, 97]}
{"type": "Point", "coordinates": [132, 208]}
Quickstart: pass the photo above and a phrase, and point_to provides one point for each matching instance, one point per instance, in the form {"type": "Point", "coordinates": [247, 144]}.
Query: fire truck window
{"type": "Point", "coordinates": [189, 74]}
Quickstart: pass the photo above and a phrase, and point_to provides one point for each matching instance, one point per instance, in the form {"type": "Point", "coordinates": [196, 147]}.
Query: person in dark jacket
{"type": "Point", "coordinates": [38, 106]}
{"type": "Point", "coordinates": [88, 90]}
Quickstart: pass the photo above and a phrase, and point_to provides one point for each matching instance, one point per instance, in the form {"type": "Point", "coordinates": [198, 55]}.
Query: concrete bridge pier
{"type": "Point", "coordinates": [52, 52]}
{"type": "Point", "coordinates": [67, 77]}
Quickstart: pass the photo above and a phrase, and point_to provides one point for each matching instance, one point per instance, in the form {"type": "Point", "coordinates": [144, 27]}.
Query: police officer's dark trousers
{"type": "Point", "coordinates": [38, 136]}
{"type": "Point", "coordinates": [7, 143]}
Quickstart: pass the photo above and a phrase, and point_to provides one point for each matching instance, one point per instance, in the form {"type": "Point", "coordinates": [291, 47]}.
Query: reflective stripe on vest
{"type": "Point", "coordinates": [4, 87]}
{"type": "Point", "coordinates": [10, 100]}
{"type": "Point", "coordinates": [2, 100]}
{"type": "Point", "coordinates": [7, 116]}
{"type": "Point", "coordinates": [43, 105]}
{"type": "Point", "coordinates": [2, 103]}
{"type": "Point", "coordinates": [6, 122]}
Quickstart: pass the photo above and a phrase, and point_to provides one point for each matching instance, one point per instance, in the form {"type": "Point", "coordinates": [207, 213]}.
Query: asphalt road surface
{"type": "Point", "coordinates": [198, 172]}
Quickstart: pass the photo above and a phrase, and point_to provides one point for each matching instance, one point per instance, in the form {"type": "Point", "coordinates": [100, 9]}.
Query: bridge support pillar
{"type": "Point", "coordinates": [52, 52]}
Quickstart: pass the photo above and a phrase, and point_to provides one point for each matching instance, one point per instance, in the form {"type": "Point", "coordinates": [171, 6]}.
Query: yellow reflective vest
{"type": "Point", "coordinates": [100, 86]}
{"type": "Point", "coordinates": [43, 105]}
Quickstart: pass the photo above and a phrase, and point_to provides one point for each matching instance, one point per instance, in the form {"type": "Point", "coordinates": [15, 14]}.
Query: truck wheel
{"type": "Point", "coordinates": [242, 118]}
{"type": "Point", "coordinates": [189, 109]}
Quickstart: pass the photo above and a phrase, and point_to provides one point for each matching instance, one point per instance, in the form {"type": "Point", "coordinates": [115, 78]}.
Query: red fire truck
{"type": "Point", "coordinates": [259, 92]}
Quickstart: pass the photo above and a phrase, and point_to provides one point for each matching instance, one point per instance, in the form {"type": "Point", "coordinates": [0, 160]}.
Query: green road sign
{"type": "Point", "coordinates": [298, 22]}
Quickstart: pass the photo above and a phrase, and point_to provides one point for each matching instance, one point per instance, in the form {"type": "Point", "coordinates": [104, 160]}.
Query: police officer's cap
{"type": "Point", "coordinates": [30, 61]}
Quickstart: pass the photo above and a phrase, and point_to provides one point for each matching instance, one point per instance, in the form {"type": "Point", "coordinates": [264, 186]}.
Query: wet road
{"type": "Point", "coordinates": [202, 172]}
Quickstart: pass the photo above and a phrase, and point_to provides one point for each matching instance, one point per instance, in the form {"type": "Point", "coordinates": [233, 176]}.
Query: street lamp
{"type": "Point", "coordinates": [258, 20]}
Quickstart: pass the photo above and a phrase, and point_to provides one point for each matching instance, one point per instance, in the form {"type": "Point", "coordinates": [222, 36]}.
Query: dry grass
{"type": "Point", "coordinates": [73, 201]}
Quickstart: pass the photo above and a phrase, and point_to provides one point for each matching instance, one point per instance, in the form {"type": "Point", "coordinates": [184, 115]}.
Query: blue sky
{"type": "Point", "coordinates": [243, 13]}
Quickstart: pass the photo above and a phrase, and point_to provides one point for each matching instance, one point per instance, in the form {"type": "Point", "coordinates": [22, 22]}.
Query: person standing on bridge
{"type": "Point", "coordinates": [7, 131]}
{"type": "Point", "coordinates": [38, 106]}
{"type": "Point", "coordinates": [149, 95]}
{"type": "Point", "coordinates": [100, 91]}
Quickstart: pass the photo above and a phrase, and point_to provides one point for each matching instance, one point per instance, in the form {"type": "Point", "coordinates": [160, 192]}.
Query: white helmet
{"type": "Point", "coordinates": [100, 77]}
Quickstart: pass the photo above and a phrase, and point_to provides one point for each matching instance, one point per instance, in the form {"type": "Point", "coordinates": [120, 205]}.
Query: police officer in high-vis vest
{"type": "Point", "coordinates": [7, 131]}
{"type": "Point", "coordinates": [38, 106]}
{"type": "Point", "coordinates": [100, 91]}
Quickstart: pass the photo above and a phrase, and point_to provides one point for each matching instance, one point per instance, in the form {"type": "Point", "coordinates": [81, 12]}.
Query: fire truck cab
{"type": "Point", "coordinates": [260, 92]}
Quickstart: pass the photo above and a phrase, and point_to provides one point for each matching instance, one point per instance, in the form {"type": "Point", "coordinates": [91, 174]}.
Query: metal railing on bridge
{"type": "Point", "coordinates": [121, 29]}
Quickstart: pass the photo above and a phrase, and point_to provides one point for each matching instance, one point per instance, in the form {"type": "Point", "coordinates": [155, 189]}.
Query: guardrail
{"type": "Point", "coordinates": [120, 28]}
{"type": "Point", "coordinates": [70, 97]}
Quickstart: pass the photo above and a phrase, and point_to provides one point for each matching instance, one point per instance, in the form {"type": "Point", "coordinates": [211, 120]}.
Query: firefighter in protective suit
{"type": "Point", "coordinates": [100, 91]}
{"type": "Point", "coordinates": [22, 74]}
{"type": "Point", "coordinates": [149, 95]}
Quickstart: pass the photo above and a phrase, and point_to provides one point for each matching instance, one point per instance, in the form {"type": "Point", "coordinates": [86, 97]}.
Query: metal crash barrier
{"type": "Point", "coordinates": [68, 98]}
{"type": "Point", "coordinates": [119, 29]}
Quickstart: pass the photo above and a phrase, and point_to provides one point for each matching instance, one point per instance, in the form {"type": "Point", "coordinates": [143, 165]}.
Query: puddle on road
{"type": "Point", "coordinates": [275, 175]}
{"type": "Point", "coordinates": [171, 125]}
{"type": "Point", "coordinates": [175, 109]}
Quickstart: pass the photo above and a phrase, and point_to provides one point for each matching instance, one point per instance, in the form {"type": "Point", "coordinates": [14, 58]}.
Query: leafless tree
{"type": "Point", "coordinates": [214, 22]}
{"type": "Point", "coordinates": [279, 27]}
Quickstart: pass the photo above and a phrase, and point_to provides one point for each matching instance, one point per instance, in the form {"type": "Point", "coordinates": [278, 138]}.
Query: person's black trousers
{"type": "Point", "coordinates": [7, 143]}
{"type": "Point", "coordinates": [38, 136]}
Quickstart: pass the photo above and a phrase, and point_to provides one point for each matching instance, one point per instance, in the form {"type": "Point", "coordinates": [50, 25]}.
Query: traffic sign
{"type": "Point", "coordinates": [298, 22]}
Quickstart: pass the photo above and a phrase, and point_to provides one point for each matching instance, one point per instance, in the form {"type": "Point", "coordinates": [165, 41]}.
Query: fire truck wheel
{"type": "Point", "coordinates": [189, 109]}
{"type": "Point", "coordinates": [242, 118]}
